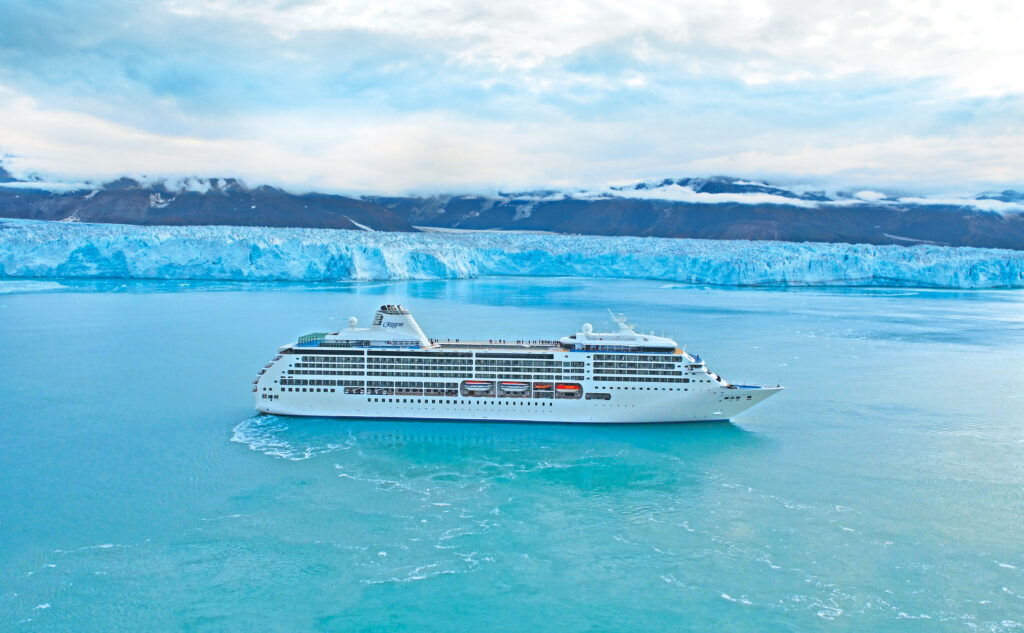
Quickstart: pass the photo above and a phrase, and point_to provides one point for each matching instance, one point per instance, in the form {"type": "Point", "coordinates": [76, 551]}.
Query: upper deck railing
{"type": "Point", "coordinates": [318, 339]}
{"type": "Point", "coordinates": [497, 344]}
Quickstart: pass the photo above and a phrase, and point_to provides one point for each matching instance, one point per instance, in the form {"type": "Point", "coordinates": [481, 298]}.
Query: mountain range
{"type": "Point", "coordinates": [710, 208]}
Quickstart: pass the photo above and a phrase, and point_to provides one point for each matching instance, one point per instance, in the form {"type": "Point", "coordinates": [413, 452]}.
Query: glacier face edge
{"type": "Point", "coordinates": [33, 249]}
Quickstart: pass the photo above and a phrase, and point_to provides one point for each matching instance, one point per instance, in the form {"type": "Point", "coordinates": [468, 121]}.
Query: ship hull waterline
{"type": "Point", "coordinates": [701, 408]}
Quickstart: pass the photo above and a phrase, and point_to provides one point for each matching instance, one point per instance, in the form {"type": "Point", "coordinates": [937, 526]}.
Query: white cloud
{"type": "Point", "coordinates": [419, 151]}
{"type": "Point", "coordinates": [944, 163]}
{"type": "Point", "coordinates": [870, 196]}
{"type": "Point", "coordinates": [678, 193]}
{"type": "Point", "coordinates": [973, 48]}
{"type": "Point", "coordinates": [998, 206]}
{"type": "Point", "coordinates": [430, 152]}
{"type": "Point", "coordinates": [449, 151]}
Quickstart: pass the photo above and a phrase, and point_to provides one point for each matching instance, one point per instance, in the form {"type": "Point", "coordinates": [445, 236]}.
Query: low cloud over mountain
{"type": "Point", "coordinates": [712, 208]}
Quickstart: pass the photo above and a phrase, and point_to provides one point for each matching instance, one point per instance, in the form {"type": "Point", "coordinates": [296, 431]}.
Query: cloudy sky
{"type": "Point", "coordinates": [399, 96]}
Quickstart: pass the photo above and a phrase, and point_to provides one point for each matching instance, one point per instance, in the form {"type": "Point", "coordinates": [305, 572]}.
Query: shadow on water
{"type": "Point", "coordinates": [317, 434]}
{"type": "Point", "coordinates": [584, 457]}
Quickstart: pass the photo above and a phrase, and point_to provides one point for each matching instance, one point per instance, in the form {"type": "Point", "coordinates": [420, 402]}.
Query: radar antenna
{"type": "Point", "coordinates": [620, 318]}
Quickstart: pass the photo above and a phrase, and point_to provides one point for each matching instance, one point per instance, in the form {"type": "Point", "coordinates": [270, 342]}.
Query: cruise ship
{"type": "Point", "coordinates": [393, 370]}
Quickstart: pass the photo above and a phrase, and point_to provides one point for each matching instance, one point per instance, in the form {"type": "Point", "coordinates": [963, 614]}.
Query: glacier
{"type": "Point", "coordinates": [38, 249]}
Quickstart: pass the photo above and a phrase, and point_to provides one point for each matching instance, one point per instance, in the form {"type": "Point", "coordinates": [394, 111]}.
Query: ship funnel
{"type": "Point", "coordinates": [395, 318]}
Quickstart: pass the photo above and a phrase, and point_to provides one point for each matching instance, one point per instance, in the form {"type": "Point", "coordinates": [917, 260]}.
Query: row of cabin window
{"type": "Point", "coordinates": [330, 359]}
{"type": "Point", "coordinates": [531, 370]}
{"type": "Point", "coordinates": [528, 376]}
{"type": "Point", "coordinates": [649, 388]}
{"type": "Point", "coordinates": [413, 385]}
{"type": "Point", "coordinates": [421, 401]}
{"type": "Point", "coordinates": [431, 374]}
{"type": "Point", "coordinates": [639, 379]}
{"type": "Point", "coordinates": [620, 348]}
{"type": "Point", "coordinates": [419, 361]}
{"type": "Point", "coordinates": [637, 372]}
{"type": "Point", "coordinates": [637, 365]}
{"type": "Point", "coordinates": [360, 383]}
{"type": "Point", "coordinates": [321, 383]}
{"type": "Point", "coordinates": [420, 367]}
{"type": "Point", "coordinates": [325, 372]}
{"type": "Point", "coordinates": [636, 357]}
{"type": "Point", "coordinates": [527, 363]}
{"type": "Point", "coordinates": [410, 391]}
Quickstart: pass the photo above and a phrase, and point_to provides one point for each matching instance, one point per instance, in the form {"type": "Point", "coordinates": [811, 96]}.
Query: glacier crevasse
{"type": "Point", "coordinates": [70, 250]}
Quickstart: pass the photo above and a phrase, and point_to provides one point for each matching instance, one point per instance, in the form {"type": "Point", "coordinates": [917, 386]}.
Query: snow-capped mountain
{"type": "Point", "coordinates": [191, 201]}
{"type": "Point", "coordinates": [731, 208]}
{"type": "Point", "coordinates": [710, 208]}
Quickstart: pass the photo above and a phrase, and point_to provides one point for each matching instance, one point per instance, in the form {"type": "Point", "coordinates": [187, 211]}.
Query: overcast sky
{"type": "Point", "coordinates": [400, 96]}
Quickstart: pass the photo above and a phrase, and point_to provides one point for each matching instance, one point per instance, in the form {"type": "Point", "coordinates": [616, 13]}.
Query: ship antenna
{"type": "Point", "coordinates": [619, 318]}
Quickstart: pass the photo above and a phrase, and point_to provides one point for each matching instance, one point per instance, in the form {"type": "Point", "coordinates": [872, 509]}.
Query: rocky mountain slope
{"type": "Point", "coordinates": [215, 201]}
{"type": "Point", "coordinates": [725, 208]}
{"type": "Point", "coordinates": [710, 208]}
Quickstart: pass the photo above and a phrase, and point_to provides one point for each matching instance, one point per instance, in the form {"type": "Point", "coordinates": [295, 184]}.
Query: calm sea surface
{"type": "Point", "coordinates": [882, 491]}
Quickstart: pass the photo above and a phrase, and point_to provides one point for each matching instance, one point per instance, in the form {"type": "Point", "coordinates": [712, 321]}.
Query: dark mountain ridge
{"type": "Point", "coordinates": [709, 208]}
{"type": "Point", "coordinates": [815, 219]}
{"type": "Point", "coordinates": [207, 202]}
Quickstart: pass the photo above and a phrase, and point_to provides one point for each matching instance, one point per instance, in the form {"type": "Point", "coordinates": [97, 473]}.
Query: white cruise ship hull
{"type": "Point", "coordinates": [626, 407]}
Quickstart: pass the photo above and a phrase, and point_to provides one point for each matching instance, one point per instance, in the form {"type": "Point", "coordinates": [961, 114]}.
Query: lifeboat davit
{"type": "Point", "coordinates": [567, 388]}
{"type": "Point", "coordinates": [514, 387]}
{"type": "Point", "coordinates": [477, 385]}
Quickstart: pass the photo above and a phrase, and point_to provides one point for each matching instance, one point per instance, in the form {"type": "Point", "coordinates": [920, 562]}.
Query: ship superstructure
{"type": "Point", "coordinates": [393, 370]}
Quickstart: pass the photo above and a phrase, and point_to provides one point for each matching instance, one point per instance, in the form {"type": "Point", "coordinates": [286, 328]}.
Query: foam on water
{"type": "Point", "coordinates": [268, 434]}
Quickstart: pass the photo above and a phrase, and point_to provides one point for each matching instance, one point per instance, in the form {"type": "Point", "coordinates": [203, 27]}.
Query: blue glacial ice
{"type": "Point", "coordinates": [69, 250]}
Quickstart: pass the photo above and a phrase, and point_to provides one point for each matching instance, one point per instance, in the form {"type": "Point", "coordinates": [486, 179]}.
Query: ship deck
{"type": "Point", "coordinates": [500, 346]}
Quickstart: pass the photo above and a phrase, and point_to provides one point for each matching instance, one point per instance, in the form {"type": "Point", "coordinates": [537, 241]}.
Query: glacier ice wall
{"type": "Point", "coordinates": [54, 250]}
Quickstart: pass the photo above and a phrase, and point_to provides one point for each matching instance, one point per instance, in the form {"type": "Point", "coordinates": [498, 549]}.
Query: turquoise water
{"type": "Point", "coordinates": [882, 491]}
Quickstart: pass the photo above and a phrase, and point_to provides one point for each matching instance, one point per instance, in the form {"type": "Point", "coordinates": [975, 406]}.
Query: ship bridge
{"type": "Point", "coordinates": [627, 339]}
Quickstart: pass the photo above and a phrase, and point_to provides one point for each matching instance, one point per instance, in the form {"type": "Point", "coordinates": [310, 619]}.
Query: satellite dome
{"type": "Point", "coordinates": [352, 321]}
{"type": "Point", "coordinates": [587, 328]}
